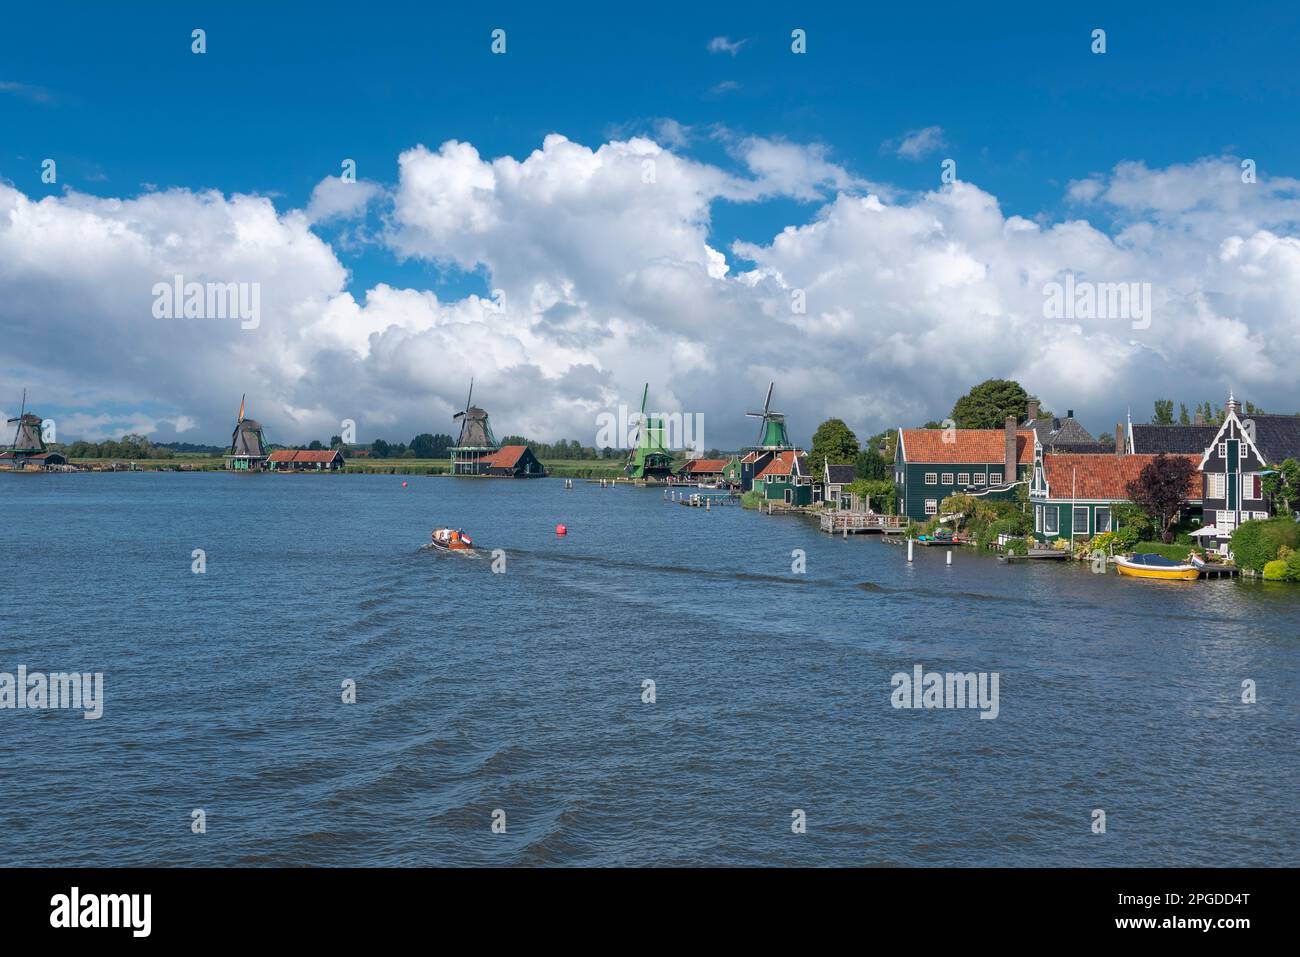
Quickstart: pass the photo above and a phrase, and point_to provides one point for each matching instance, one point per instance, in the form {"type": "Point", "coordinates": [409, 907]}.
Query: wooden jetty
{"type": "Point", "coordinates": [1057, 554]}
{"type": "Point", "coordinates": [855, 523]}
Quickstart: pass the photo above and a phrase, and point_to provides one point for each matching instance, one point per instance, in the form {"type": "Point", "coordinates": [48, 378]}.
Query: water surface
{"type": "Point", "coordinates": [522, 691]}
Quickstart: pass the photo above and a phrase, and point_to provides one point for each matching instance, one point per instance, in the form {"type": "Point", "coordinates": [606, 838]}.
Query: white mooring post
{"type": "Point", "coordinates": [909, 549]}
{"type": "Point", "coordinates": [950, 556]}
{"type": "Point", "coordinates": [707, 503]}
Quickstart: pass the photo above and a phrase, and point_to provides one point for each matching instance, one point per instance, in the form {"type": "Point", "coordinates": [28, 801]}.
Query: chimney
{"type": "Point", "coordinates": [1200, 417]}
{"type": "Point", "coordinates": [1069, 413]}
{"type": "Point", "coordinates": [1032, 412]}
{"type": "Point", "coordinates": [1009, 475]}
{"type": "Point", "coordinates": [1119, 439]}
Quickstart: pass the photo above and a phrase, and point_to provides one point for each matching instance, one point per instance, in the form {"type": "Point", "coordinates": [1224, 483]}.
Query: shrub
{"type": "Point", "coordinates": [1018, 546]}
{"type": "Point", "coordinates": [1275, 571]}
{"type": "Point", "coordinates": [1293, 567]}
{"type": "Point", "coordinates": [1256, 543]}
{"type": "Point", "coordinates": [751, 499]}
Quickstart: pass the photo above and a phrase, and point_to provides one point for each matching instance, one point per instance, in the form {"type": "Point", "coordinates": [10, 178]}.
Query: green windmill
{"type": "Point", "coordinates": [649, 459]}
{"type": "Point", "coordinates": [772, 434]}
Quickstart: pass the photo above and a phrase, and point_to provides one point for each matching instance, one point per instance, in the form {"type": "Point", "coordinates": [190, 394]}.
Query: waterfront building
{"type": "Point", "coordinates": [305, 460]}
{"type": "Point", "coordinates": [786, 478]}
{"type": "Point", "coordinates": [1233, 463]}
{"type": "Point", "coordinates": [931, 464]}
{"type": "Point", "coordinates": [512, 461]}
{"type": "Point", "coordinates": [1074, 494]}
{"type": "Point", "coordinates": [836, 480]}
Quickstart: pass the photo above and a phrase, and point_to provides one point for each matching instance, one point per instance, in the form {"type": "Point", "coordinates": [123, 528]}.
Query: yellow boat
{"type": "Point", "coordinates": [1157, 566]}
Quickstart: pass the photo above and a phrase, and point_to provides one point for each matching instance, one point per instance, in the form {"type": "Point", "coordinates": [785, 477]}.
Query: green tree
{"type": "Point", "coordinates": [988, 404]}
{"type": "Point", "coordinates": [315, 446]}
{"type": "Point", "coordinates": [1282, 486]}
{"type": "Point", "coordinates": [1161, 489]}
{"type": "Point", "coordinates": [870, 466]}
{"type": "Point", "coordinates": [336, 441]}
{"type": "Point", "coordinates": [1183, 417]}
{"type": "Point", "coordinates": [423, 446]}
{"type": "Point", "coordinates": [834, 442]}
{"type": "Point", "coordinates": [1164, 412]}
{"type": "Point", "coordinates": [379, 449]}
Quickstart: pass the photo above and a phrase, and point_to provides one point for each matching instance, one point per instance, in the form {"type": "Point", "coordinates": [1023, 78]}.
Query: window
{"type": "Point", "coordinates": [995, 478]}
{"type": "Point", "coordinates": [1038, 518]}
{"type": "Point", "coordinates": [1252, 488]}
{"type": "Point", "coordinates": [1103, 518]}
{"type": "Point", "coordinates": [931, 506]}
{"type": "Point", "coordinates": [947, 478]}
{"type": "Point", "coordinates": [1051, 516]}
{"type": "Point", "coordinates": [1226, 521]}
{"type": "Point", "coordinates": [931, 478]}
{"type": "Point", "coordinates": [1223, 450]}
{"type": "Point", "coordinates": [979, 478]}
{"type": "Point", "coordinates": [846, 502]}
{"type": "Point", "coordinates": [1081, 520]}
{"type": "Point", "coordinates": [1260, 516]}
{"type": "Point", "coordinates": [963, 478]}
{"type": "Point", "coordinates": [1215, 486]}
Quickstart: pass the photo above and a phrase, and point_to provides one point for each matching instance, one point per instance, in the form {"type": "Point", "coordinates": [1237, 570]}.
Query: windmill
{"type": "Point", "coordinates": [247, 443]}
{"type": "Point", "coordinates": [772, 434]}
{"type": "Point", "coordinates": [476, 440]}
{"type": "Point", "coordinates": [27, 437]}
{"type": "Point", "coordinates": [649, 458]}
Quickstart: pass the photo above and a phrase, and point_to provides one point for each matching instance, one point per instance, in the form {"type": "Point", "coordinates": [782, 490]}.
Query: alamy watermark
{"type": "Point", "coordinates": [1073, 299]}
{"type": "Point", "coordinates": [38, 691]}
{"type": "Point", "coordinates": [677, 430]}
{"type": "Point", "coordinates": [953, 689]}
{"type": "Point", "coordinates": [179, 299]}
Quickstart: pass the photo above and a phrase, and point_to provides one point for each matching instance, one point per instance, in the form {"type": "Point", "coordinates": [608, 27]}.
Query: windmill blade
{"type": "Point", "coordinates": [457, 416]}
{"type": "Point", "coordinates": [768, 401]}
{"type": "Point", "coordinates": [757, 415]}
{"type": "Point", "coordinates": [469, 398]}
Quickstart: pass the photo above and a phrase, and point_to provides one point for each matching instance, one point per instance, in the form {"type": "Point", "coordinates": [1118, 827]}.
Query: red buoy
{"type": "Point", "coordinates": [403, 485]}
{"type": "Point", "coordinates": [561, 530]}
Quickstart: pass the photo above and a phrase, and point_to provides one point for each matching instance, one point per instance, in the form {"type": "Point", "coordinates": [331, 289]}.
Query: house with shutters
{"type": "Point", "coordinates": [305, 460]}
{"type": "Point", "coordinates": [786, 478]}
{"type": "Point", "coordinates": [836, 480]}
{"type": "Point", "coordinates": [1074, 494]}
{"type": "Point", "coordinates": [511, 461]}
{"type": "Point", "coordinates": [1232, 466]}
{"type": "Point", "coordinates": [709, 471]}
{"type": "Point", "coordinates": [931, 464]}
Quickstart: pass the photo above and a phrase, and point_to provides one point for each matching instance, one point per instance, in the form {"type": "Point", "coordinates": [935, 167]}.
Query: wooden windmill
{"type": "Point", "coordinates": [476, 441]}
{"type": "Point", "coordinates": [772, 434]}
{"type": "Point", "coordinates": [649, 458]}
{"type": "Point", "coordinates": [27, 437]}
{"type": "Point", "coordinates": [247, 443]}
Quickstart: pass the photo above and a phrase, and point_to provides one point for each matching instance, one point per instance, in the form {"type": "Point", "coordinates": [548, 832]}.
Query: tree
{"type": "Point", "coordinates": [869, 466]}
{"type": "Point", "coordinates": [1183, 417]}
{"type": "Point", "coordinates": [834, 442]}
{"type": "Point", "coordinates": [1161, 489]}
{"type": "Point", "coordinates": [1164, 412]}
{"type": "Point", "coordinates": [1282, 486]}
{"type": "Point", "coordinates": [315, 446]}
{"type": "Point", "coordinates": [379, 449]}
{"type": "Point", "coordinates": [336, 441]}
{"type": "Point", "coordinates": [423, 445]}
{"type": "Point", "coordinates": [988, 404]}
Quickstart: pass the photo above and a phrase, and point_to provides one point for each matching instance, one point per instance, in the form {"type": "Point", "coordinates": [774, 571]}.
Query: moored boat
{"type": "Point", "coordinates": [451, 540]}
{"type": "Point", "coordinates": [1147, 565]}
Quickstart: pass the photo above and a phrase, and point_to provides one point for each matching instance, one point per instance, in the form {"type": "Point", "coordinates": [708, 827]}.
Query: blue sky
{"type": "Point", "coordinates": [281, 98]}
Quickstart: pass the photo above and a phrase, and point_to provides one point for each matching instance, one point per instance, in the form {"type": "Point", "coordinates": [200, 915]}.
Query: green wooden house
{"type": "Point", "coordinates": [932, 464]}
{"type": "Point", "coordinates": [1074, 495]}
{"type": "Point", "coordinates": [787, 479]}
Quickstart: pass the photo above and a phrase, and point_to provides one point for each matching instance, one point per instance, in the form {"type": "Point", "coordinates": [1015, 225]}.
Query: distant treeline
{"type": "Point", "coordinates": [130, 447]}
